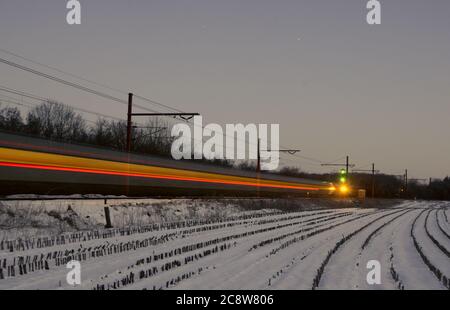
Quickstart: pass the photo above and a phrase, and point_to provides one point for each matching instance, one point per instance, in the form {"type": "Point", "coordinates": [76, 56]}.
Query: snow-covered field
{"type": "Point", "coordinates": [264, 249]}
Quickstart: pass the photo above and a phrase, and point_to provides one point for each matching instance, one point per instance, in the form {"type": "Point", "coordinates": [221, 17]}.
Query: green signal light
{"type": "Point", "coordinates": [343, 171]}
{"type": "Point", "coordinates": [343, 180]}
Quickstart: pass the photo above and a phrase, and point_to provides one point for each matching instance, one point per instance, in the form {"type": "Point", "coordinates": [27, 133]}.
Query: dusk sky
{"type": "Point", "coordinates": [335, 84]}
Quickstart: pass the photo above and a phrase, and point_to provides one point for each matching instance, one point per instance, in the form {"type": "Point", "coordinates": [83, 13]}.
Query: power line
{"type": "Point", "coordinates": [71, 84]}
{"type": "Point", "coordinates": [27, 95]}
{"type": "Point", "coordinates": [60, 71]}
{"type": "Point", "coordinates": [317, 161]}
{"type": "Point", "coordinates": [297, 162]}
{"type": "Point", "coordinates": [361, 167]}
{"type": "Point", "coordinates": [336, 160]}
{"type": "Point", "coordinates": [88, 80]}
{"type": "Point", "coordinates": [31, 106]}
{"type": "Point", "coordinates": [159, 104]}
{"type": "Point", "coordinates": [20, 93]}
{"type": "Point", "coordinates": [15, 102]}
{"type": "Point", "coordinates": [56, 79]}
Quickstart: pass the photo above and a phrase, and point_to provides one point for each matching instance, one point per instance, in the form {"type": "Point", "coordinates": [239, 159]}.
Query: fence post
{"type": "Point", "coordinates": [108, 218]}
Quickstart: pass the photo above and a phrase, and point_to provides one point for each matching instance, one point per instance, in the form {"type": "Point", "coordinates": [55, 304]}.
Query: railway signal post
{"type": "Point", "coordinates": [344, 175]}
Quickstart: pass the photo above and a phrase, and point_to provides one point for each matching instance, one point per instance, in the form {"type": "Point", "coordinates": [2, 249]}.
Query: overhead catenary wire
{"type": "Point", "coordinates": [12, 101]}
{"type": "Point", "coordinates": [300, 164]}
{"type": "Point", "coordinates": [362, 167]}
{"type": "Point", "coordinates": [21, 93]}
{"type": "Point", "coordinates": [30, 105]}
{"type": "Point", "coordinates": [317, 161]}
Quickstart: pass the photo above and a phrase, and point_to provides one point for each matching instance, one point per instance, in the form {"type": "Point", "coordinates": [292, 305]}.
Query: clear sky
{"type": "Point", "coordinates": [336, 85]}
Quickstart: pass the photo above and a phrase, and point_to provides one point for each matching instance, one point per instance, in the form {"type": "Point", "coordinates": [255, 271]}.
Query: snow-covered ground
{"type": "Point", "coordinates": [260, 249]}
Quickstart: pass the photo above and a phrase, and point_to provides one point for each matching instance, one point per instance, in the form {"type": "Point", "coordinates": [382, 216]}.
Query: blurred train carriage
{"type": "Point", "coordinates": [33, 165]}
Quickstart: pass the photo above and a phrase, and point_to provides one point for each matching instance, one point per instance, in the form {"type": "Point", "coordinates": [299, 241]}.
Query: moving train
{"type": "Point", "coordinates": [40, 166]}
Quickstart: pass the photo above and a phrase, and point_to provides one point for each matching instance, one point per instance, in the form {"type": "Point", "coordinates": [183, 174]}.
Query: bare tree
{"type": "Point", "coordinates": [100, 133]}
{"type": "Point", "coordinates": [247, 165]}
{"type": "Point", "coordinates": [56, 121]}
{"type": "Point", "coordinates": [153, 138]}
{"type": "Point", "coordinates": [118, 132]}
{"type": "Point", "coordinates": [11, 119]}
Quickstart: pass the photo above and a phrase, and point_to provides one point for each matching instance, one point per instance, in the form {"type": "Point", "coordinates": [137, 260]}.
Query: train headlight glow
{"type": "Point", "coordinates": [344, 189]}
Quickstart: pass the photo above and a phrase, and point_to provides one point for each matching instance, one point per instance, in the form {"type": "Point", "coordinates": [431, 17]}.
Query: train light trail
{"type": "Point", "coordinates": [15, 158]}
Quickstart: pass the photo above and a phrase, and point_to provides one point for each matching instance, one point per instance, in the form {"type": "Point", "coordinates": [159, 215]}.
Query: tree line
{"type": "Point", "coordinates": [56, 121]}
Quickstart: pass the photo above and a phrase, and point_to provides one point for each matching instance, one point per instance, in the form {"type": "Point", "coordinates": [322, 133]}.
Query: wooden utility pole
{"type": "Point", "coordinates": [129, 133]}
{"type": "Point", "coordinates": [129, 121]}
